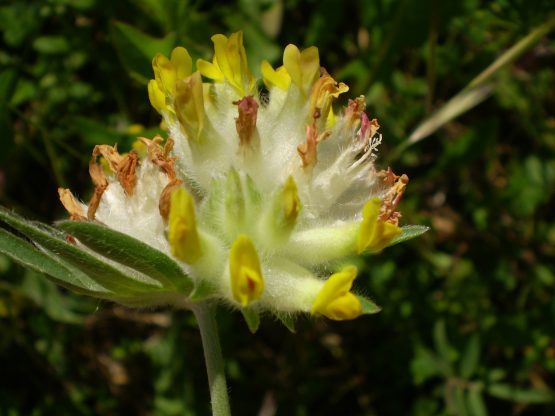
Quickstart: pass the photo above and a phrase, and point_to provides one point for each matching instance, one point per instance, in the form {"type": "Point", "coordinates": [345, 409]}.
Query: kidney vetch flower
{"type": "Point", "coordinates": [259, 193]}
{"type": "Point", "coordinates": [261, 198]}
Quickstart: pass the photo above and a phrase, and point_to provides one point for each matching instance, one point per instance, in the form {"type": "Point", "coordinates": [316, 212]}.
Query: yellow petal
{"type": "Point", "coordinates": [290, 201]}
{"type": "Point", "coordinates": [330, 120]}
{"type": "Point", "coordinates": [335, 300]}
{"type": "Point", "coordinates": [310, 65]}
{"type": "Point", "coordinates": [292, 63]}
{"type": "Point", "coordinates": [182, 62]}
{"type": "Point", "coordinates": [164, 73]}
{"type": "Point", "coordinates": [374, 234]}
{"type": "Point", "coordinates": [230, 56]}
{"type": "Point", "coordinates": [279, 77]}
{"type": "Point", "coordinates": [247, 283]}
{"type": "Point", "coordinates": [182, 229]}
{"type": "Point", "coordinates": [189, 105]}
{"type": "Point", "coordinates": [345, 307]}
{"type": "Point", "coordinates": [210, 70]}
{"type": "Point", "coordinates": [156, 96]}
{"type": "Point", "coordinates": [323, 92]}
{"type": "Point", "coordinates": [303, 67]}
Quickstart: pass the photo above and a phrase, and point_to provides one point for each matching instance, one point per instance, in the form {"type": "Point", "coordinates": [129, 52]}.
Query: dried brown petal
{"type": "Point", "coordinates": [368, 129]}
{"type": "Point", "coordinates": [95, 201]}
{"type": "Point", "coordinates": [126, 172]}
{"type": "Point", "coordinates": [159, 156]}
{"type": "Point", "coordinates": [246, 122]}
{"type": "Point", "coordinates": [395, 186]}
{"type": "Point", "coordinates": [109, 153]}
{"type": "Point", "coordinates": [71, 204]}
{"type": "Point", "coordinates": [165, 197]}
{"type": "Point", "coordinates": [168, 147]}
{"type": "Point", "coordinates": [307, 150]}
{"type": "Point", "coordinates": [98, 176]}
{"type": "Point", "coordinates": [354, 110]}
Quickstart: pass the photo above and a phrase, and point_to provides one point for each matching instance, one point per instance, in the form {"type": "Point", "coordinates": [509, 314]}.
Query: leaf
{"type": "Point", "coordinates": [470, 358]}
{"type": "Point", "coordinates": [443, 348]}
{"type": "Point", "coordinates": [459, 401]}
{"type": "Point", "coordinates": [29, 256]}
{"type": "Point", "coordinates": [106, 275]}
{"type": "Point", "coordinates": [129, 251]}
{"type": "Point", "coordinates": [136, 49]}
{"type": "Point", "coordinates": [425, 365]}
{"type": "Point", "coordinates": [202, 290]}
{"type": "Point", "coordinates": [514, 52]}
{"type": "Point", "coordinates": [496, 374]}
{"type": "Point", "coordinates": [8, 82]}
{"type": "Point", "coordinates": [156, 10]}
{"type": "Point", "coordinates": [51, 45]}
{"type": "Point", "coordinates": [287, 319]}
{"type": "Point", "coordinates": [47, 294]}
{"type": "Point", "coordinates": [408, 232]}
{"type": "Point", "coordinates": [368, 307]}
{"type": "Point", "coordinates": [515, 394]}
{"type": "Point", "coordinates": [459, 104]}
{"type": "Point", "coordinates": [475, 403]}
{"type": "Point", "coordinates": [478, 89]}
{"type": "Point", "coordinates": [252, 318]}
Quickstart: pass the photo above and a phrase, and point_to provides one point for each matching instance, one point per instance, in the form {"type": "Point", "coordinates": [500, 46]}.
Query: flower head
{"type": "Point", "coordinates": [257, 196]}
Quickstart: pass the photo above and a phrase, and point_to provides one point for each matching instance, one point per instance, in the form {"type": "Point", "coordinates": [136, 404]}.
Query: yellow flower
{"type": "Point", "coordinates": [335, 299]}
{"type": "Point", "coordinates": [275, 77]}
{"type": "Point", "coordinates": [303, 67]}
{"type": "Point", "coordinates": [375, 234]}
{"type": "Point", "coordinates": [229, 63]}
{"type": "Point", "coordinates": [244, 269]}
{"type": "Point", "coordinates": [182, 230]}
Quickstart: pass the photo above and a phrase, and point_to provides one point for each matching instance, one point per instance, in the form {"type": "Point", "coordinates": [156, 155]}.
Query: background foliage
{"type": "Point", "coordinates": [468, 317]}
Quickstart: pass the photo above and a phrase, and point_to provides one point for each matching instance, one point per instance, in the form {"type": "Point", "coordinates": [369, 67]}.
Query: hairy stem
{"type": "Point", "coordinates": [206, 318]}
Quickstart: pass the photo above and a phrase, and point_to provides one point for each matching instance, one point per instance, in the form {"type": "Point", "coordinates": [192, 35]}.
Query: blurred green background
{"type": "Point", "coordinates": [468, 321]}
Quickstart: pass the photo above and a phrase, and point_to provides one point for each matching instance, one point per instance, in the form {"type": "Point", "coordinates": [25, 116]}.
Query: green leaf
{"type": "Point", "coordinates": [368, 307]}
{"type": "Point", "coordinates": [155, 10]}
{"type": "Point", "coordinates": [287, 319]}
{"type": "Point", "coordinates": [514, 52]}
{"type": "Point", "coordinates": [203, 290]}
{"type": "Point", "coordinates": [29, 256]}
{"type": "Point", "coordinates": [515, 394]}
{"type": "Point", "coordinates": [459, 104]}
{"type": "Point", "coordinates": [459, 401]}
{"type": "Point", "coordinates": [8, 83]}
{"type": "Point", "coordinates": [470, 359]}
{"type": "Point", "coordinates": [408, 232]}
{"type": "Point", "coordinates": [129, 251]}
{"type": "Point", "coordinates": [443, 348]}
{"type": "Point", "coordinates": [136, 49]}
{"type": "Point", "coordinates": [425, 365]}
{"type": "Point", "coordinates": [51, 45]}
{"type": "Point", "coordinates": [475, 403]}
{"type": "Point", "coordinates": [118, 280]}
{"type": "Point", "coordinates": [47, 294]}
{"type": "Point", "coordinates": [496, 374]}
{"type": "Point", "coordinates": [252, 318]}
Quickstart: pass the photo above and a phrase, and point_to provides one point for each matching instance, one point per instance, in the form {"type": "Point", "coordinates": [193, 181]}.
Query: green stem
{"type": "Point", "coordinates": [206, 318]}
